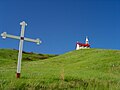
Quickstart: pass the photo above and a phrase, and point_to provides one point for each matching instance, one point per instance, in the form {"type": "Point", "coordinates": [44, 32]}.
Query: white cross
{"type": "Point", "coordinates": [21, 38]}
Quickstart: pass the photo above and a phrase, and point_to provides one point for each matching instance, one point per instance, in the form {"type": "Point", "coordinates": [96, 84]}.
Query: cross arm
{"type": "Point", "coordinates": [33, 40]}
{"type": "Point", "coordinates": [5, 35]}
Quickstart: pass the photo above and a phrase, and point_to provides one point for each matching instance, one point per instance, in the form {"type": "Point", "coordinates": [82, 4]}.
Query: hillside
{"type": "Point", "coordinates": [9, 56]}
{"type": "Point", "coordinates": [90, 69]}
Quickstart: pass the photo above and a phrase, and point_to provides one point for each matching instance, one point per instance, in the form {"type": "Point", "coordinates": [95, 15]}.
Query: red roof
{"type": "Point", "coordinates": [84, 45]}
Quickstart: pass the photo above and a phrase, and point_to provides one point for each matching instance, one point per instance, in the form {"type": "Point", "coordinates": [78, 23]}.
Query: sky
{"type": "Point", "coordinates": [61, 23]}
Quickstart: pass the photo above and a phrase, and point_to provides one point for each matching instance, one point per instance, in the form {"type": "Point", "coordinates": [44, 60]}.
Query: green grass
{"type": "Point", "coordinates": [89, 69]}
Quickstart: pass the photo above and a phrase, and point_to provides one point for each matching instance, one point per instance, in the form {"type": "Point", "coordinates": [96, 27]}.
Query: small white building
{"type": "Point", "coordinates": [82, 45]}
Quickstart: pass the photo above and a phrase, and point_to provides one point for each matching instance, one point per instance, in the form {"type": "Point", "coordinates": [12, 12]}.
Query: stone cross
{"type": "Point", "coordinates": [21, 38]}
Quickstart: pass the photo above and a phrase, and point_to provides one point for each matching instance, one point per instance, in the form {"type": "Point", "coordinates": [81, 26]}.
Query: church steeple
{"type": "Point", "coordinates": [86, 42]}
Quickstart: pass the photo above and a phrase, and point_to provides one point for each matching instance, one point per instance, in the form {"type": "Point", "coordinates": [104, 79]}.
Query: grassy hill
{"type": "Point", "coordinates": [90, 69]}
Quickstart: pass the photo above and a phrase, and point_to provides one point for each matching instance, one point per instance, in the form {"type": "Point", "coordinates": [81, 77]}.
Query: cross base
{"type": "Point", "coordinates": [18, 75]}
